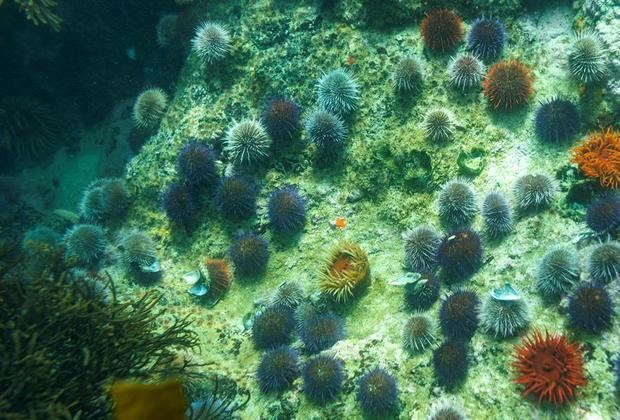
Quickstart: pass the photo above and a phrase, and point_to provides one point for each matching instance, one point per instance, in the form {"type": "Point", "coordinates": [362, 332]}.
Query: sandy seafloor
{"type": "Point", "coordinates": [283, 47]}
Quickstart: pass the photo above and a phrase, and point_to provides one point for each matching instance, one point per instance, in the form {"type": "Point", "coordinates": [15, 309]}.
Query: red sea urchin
{"type": "Point", "coordinates": [441, 30]}
{"type": "Point", "coordinates": [549, 367]}
{"type": "Point", "coordinates": [508, 85]}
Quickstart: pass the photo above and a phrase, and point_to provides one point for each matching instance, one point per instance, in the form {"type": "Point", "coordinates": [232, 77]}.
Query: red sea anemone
{"type": "Point", "coordinates": [508, 85]}
{"type": "Point", "coordinates": [441, 30]}
{"type": "Point", "coordinates": [549, 367]}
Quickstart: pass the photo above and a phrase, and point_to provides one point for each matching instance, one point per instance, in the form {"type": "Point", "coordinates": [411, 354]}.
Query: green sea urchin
{"type": "Point", "coordinates": [438, 125]}
{"type": "Point", "coordinates": [586, 58]}
{"type": "Point", "coordinates": [149, 108]}
{"type": "Point", "coordinates": [211, 42]}
{"type": "Point", "coordinates": [247, 142]}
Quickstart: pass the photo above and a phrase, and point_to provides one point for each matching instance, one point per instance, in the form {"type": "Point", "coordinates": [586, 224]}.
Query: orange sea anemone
{"type": "Point", "coordinates": [549, 367]}
{"type": "Point", "coordinates": [599, 157]}
{"type": "Point", "coordinates": [346, 270]}
{"type": "Point", "coordinates": [508, 85]}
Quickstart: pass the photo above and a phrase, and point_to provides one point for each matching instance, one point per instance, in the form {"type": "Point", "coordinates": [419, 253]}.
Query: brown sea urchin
{"type": "Point", "coordinates": [346, 270]}
{"type": "Point", "coordinates": [441, 30]}
{"type": "Point", "coordinates": [508, 85]}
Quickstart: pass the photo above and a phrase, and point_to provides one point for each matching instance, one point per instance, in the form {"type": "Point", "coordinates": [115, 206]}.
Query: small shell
{"type": "Point", "coordinates": [192, 277]}
{"type": "Point", "coordinates": [407, 278]}
{"type": "Point", "coordinates": [198, 289]}
{"type": "Point", "coordinates": [505, 293]}
{"type": "Point", "coordinates": [154, 267]}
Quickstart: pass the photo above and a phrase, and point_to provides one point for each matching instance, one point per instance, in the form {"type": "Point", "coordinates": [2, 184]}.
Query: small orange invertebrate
{"type": "Point", "coordinates": [599, 157]}
{"type": "Point", "coordinates": [340, 222]}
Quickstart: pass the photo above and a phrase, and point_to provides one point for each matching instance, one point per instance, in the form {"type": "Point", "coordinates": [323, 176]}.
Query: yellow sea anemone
{"type": "Point", "coordinates": [345, 271]}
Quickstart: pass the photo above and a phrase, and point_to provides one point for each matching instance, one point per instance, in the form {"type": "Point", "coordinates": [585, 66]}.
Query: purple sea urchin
{"type": "Point", "coordinates": [180, 204]}
{"type": "Point", "coordinates": [249, 254]}
{"type": "Point", "coordinates": [458, 315]}
{"type": "Point", "coordinates": [486, 38]}
{"type": "Point", "coordinates": [273, 327]}
{"type": "Point", "coordinates": [320, 331]}
{"type": "Point", "coordinates": [196, 165]}
{"type": "Point", "coordinates": [590, 308]}
{"type": "Point", "coordinates": [603, 215]}
{"type": "Point", "coordinates": [236, 198]}
{"type": "Point", "coordinates": [451, 363]}
{"type": "Point", "coordinates": [287, 213]}
{"type": "Point", "coordinates": [556, 120]}
{"type": "Point", "coordinates": [377, 393]}
{"type": "Point", "coordinates": [280, 117]}
{"type": "Point", "coordinates": [323, 376]}
{"type": "Point", "coordinates": [277, 369]}
{"type": "Point", "coordinates": [460, 253]}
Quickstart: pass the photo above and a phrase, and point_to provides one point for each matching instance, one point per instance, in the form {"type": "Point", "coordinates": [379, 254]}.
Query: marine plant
{"type": "Point", "coordinates": [460, 253]}
{"type": "Point", "coordinates": [503, 317]}
{"type": "Point", "coordinates": [196, 165]}
{"type": "Point", "coordinates": [273, 327]}
{"type": "Point", "coordinates": [421, 295]}
{"type": "Point", "coordinates": [211, 42]}
{"type": "Point", "coordinates": [458, 316]}
{"type": "Point", "coordinates": [447, 409]}
{"type": "Point", "coordinates": [236, 197]}
{"type": "Point", "coordinates": [418, 333]}
{"type": "Point", "coordinates": [65, 372]}
{"type": "Point", "coordinates": [586, 58]}
{"type": "Point", "coordinates": [486, 38]}
{"type": "Point", "coordinates": [408, 76]}
{"type": "Point", "coordinates": [466, 71]}
{"type": "Point", "coordinates": [137, 249]}
{"type": "Point", "coordinates": [28, 127]}
{"type": "Point", "coordinates": [249, 254]}
{"type": "Point", "coordinates": [533, 191]}
{"type": "Point", "coordinates": [438, 125]}
{"type": "Point", "coordinates": [180, 204]}
{"type": "Point", "coordinates": [598, 157]}
{"type": "Point", "coordinates": [325, 129]}
{"type": "Point", "coordinates": [508, 85]}
{"type": "Point", "coordinates": [277, 369]}
{"type": "Point", "coordinates": [149, 108]}
{"type": "Point", "coordinates": [496, 214]}
{"type": "Point", "coordinates": [421, 245]}
{"type": "Point", "coordinates": [441, 30]}
{"type": "Point", "coordinates": [603, 215]}
{"type": "Point", "coordinates": [556, 120]}
{"type": "Point", "coordinates": [247, 142]}
{"type": "Point", "coordinates": [451, 363]}
{"type": "Point", "coordinates": [320, 331]}
{"type": "Point", "coordinates": [590, 308]}
{"type": "Point", "coordinates": [322, 376]}
{"type": "Point", "coordinates": [84, 243]}
{"type": "Point", "coordinates": [377, 393]}
{"type": "Point", "coordinates": [286, 208]}
{"type": "Point", "coordinates": [457, 204]}
{"type": "Point", "coordinates": [40, 12]}
{"type": "Point", "coordinates": [289, 294]}
{"type": "Point", "coordinates": [281, 119]}
{"type": "Point", "coordinates": [337, 92]}
{"type": "Point", "coordinates": [345, 271]}
{"type": "Point", "coordinates": [604, 262]}
{"type": "Point", "coordinates": [557, 271]}
{"type": "Point", "coordinates": [549, 367]}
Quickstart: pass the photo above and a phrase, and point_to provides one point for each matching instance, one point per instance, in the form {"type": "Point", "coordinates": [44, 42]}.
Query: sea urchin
{"type": "Point", "coordinates": [508, 85]}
